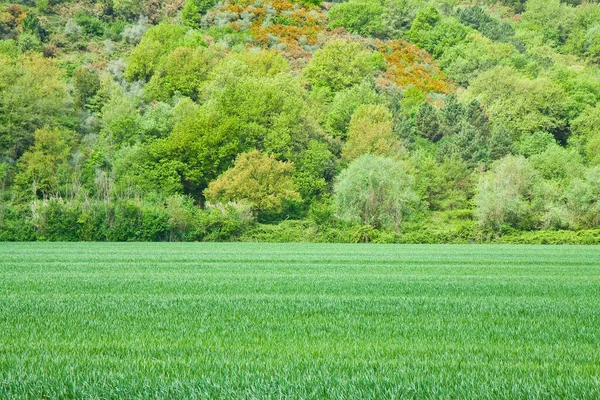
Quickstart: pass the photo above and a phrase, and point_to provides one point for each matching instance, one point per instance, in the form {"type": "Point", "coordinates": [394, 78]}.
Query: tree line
{"type": "Point", "coordinates": [364, 120]}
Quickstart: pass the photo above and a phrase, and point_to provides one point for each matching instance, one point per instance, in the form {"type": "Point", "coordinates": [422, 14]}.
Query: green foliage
{"type": "Point", "coordinates": [32, 95]}
{"type": "Point", "coordinates": [86, 84]}
{"type": "Point", "coordinates": [246, 112]}
{"type": "Point", "coordinates": [585, 134]}
{"type": "Point", "coordinates": [140, 106]}
{"type": "Point", "coordinates": [121, 120]}
{"type": "Point", "coordinates": [467, 60]}
{"type": "Point", "coordinates": [582, 198]}
{"type": "Point", "coordinates": [558, 164]}
{"type": "Point", "coordinates": [90, 24]}
{"type": "Point", "coordinates": [223, 222]}
{"type": "Point", "coordinates": [183, 72]}
{"type": "Point", "coordinates": [462, 130]}
{"type": "Point", "coordinates": [193, 11]}
{"type": "Point", "coordinates": [535, 143]}
{"type": "Point", "coordinates": [156, 43]}
{"type": "Point", "coordinates": [142, 169]}
{"type": "Point", "coordinates": [442, 186]}
{"type": "Point", "coordinates": [314, 170]}
{"type": "Point", "coordinates": [9, 48]}
{"type": "Point", "coordinates": [32, 25]}
{"type": "Point", "coordinates": [44, 169]}
{"type": "Point", "coordinates": [374, 191]}
{"type": "Point", "coordinates": [505, 195]}
{"type": "Point", "coordinates": [584, 237]}
{"type": "Point", "coordinates": [550, 18]}
{"type": "Point", "coordinates": [359, 16]}
{"type": "Point", "coordinates": [259, 179]}
{"type": "Point", "coordinates": [398, 15]}
{"type": "Point", "coordinates": [341, 64]}
{"type": "Point", "coordinates": [522, 105]}
{"type": "Point", "coordinates": [128, 9]}
{"type": "Point", "coordinates": [434, 33]}
{"type": "Point", "coordinates": [158, 121]}
{"type": "Point", "coordinates": [14, 226]}
{"type": "Point", "coordinates": [490, 27]}
{"type": "Point", "coordinates": [371, 131]}
{"type": "Point", "coordinates": [345, 103]}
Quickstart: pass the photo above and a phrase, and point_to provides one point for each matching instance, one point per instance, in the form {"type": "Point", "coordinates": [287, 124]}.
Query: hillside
{"type": "Point", "coordinates": [366, 120]}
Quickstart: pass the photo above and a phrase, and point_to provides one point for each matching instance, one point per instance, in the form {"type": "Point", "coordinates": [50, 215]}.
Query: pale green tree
{"type": "Point", "coordinates": [375, 191]}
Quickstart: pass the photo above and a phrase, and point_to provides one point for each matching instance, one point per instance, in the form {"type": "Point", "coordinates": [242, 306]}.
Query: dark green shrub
{"type": "Point", "coordinates": [90, 24]}
{"type": "Point", "coordinates": [222, 222]}
{"type": "Point", "coordinates": [15, 226]}
{"type": "Point", "coordinates": [193, 11]}
{"type": "Point", "coordinates": [492, 28]}
{"type": "Point", "coordinates": [56, 220]}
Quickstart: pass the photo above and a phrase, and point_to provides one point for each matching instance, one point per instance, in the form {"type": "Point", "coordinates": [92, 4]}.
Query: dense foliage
{"type": "Point", "coordinates": [365, 120]}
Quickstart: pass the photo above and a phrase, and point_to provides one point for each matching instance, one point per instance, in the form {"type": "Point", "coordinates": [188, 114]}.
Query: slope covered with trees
{"type": "Point", "coordinates": [365, 120]}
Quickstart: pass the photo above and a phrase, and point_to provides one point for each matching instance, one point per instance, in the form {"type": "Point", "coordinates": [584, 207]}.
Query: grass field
{"type": "Point", "coordinates": [298, 321]}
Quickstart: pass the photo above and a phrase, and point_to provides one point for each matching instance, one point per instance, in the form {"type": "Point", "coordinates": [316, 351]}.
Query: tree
{"type": "Point", "coordinates": [341, 64]}
{"type": "Point", "coordinates": [558, 164]}
{"type": "Point", "coordinates": [128, 9]}
{"type": "Point", "coordinates": [434, 33]}
{"type": "Point", "coordinates": [267, 113]}
{"type": "Point", "coordinates": [32, 96]}
{"type": "Point", "coordinates": [194, 10]}
{"type": "Point", "coordinates": [148, 54]}
{"type": "Point", "coordinates": [586, 135]}
{"type": "Point", "coordinates": [442, 185]}
{"type": "Point", "coordinates": [428, 122]}
{"type": "Point", "coordinates": [467, 60]}
{"type": "Point", "coordinates": [44, 169]}
{"type": "Point", "coordinates": [183, 72]}
{"type": "Point", "coordinates": [139, 170]}
{"type": "Point", "coordinates": [314, 170]}
{"type": "Point", "coordinates": [359, 16]}
{"type": "Point", "coordinates": [260, 179]}
{"type": "Point", "coordinates": [490, 27]}
{"type": "Point", "coordinates": [506, 195]}
{"type": "Point", "coordinates": [522, 105]}
{"type": "Point", "coordinates": [553, 19]}
{"type": "Point", "coordinates": [371, 131]}
{"type": "Point", "coordinates": [375, 191]}
{"type": "Point", "coordinates": [121, 120]}
{"type": "Point", "coordinates": [270, 111]}
{"type": "Point", "coordinates": [86, 84]}
{"type": "Point", "coordinates": [583, 199]}
{"type": "Point", "coordinates": [345, 103]}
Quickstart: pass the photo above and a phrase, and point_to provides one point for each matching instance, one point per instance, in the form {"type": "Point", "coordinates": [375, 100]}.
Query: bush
{"type": "Point", "coordinates": [14, 225]}
{"type": "Point", "coordinates": [223, 222]}
{"type": "Point", "coordinates": [89, 23]}
{"type": "Point", "coordinates": [589, 237]}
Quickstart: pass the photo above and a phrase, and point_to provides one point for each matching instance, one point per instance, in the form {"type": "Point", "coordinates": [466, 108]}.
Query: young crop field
{"type": "Point", "coordinates": [246, 320]}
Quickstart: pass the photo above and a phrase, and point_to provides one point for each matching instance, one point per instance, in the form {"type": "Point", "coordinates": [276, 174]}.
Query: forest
{"type": "Point", "coordinates": [387, 121]}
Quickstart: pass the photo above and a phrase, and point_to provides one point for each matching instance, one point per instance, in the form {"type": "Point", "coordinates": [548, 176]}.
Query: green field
{"type": "Point", "coordinates": [298, 321]}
